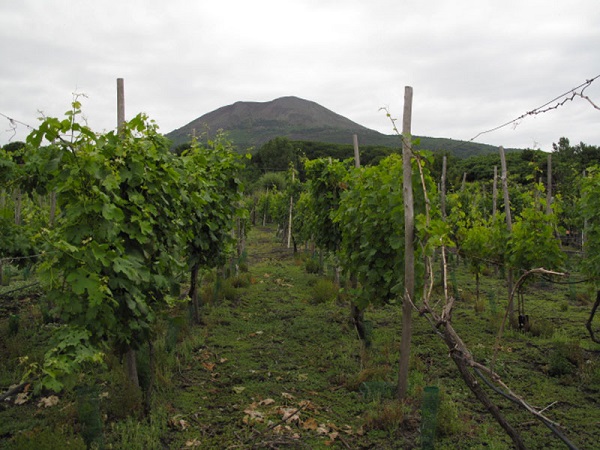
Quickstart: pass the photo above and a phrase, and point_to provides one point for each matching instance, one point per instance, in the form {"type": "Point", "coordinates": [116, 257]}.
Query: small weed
{"type": "Point", "coordinates": [324, 291]}
{"type": "Point", "coordinates": [312, 265]}
{"type": "Point", "coordinates": [541, 328]}
{"type": "Point", "coordinates": [387, 415]}
{"type": "Point", "coordinates": [13, 324]}
{"type": "Point", "coordinates": [449, 422]}
{"type": "Point", "coordinates": [47, 439]}
{"type": "Point", "coordinates": [123, 398]}
{"type": "Point", "coordinates": [564, 306]}
{"type": "Point", "coordinates": [583, 298]}
{"type": "Point", "coordinates": [564, 358]}
{"type": "Point", "coordinates": [379, 374]}
{"type": "Point", "coordinates": [589, 373]}
{"type": "Point", "coordinates": [227, 290]}
{"type": "Point", "coordinates": [467, 296]}
{"type": "Point", "coordinates": [241, 281]}
{"type": "Point", "coordinates": [88, 409]}
{"type": "Point", "coordinates": [479, 306]}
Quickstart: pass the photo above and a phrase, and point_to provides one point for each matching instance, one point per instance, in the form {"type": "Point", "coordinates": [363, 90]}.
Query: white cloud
{"type": "Point", "coordinates": [473, 65]}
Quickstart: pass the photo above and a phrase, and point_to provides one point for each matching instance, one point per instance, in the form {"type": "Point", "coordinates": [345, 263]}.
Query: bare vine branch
{"type": "Point", "coordinates": [516, 289]}
{"type": "Point", "coordinates": [566, 97]}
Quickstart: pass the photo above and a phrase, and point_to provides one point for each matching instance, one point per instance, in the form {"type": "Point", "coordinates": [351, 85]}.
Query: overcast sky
{"type": "Point", "coordinates": [473, 64]}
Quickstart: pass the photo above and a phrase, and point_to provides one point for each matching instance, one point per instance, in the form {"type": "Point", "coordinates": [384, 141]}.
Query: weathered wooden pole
{"type": "Point", "coordinates": [356, 152]}
{"type": "Point", "coordinates": [443, 209]}
{"type": "Point", "coordinates": [289, 231]}
{"type": "Point", "coordinates": [443, 187]}
{"type": "Point", "coordinates": [130, 361]}
{"type": "Point", "coordinates": [505, 189]}
{"type": "Point", "coordinates": [357, 314]}
{"type": "Point", "coordinates": [409, 251]}
{"type": "Point", "coordinates": [495, 193]}
{"type": "Point", "coordinates": [120, 103]}
{"type": "Point", "coordinates": [585, 223]}
{"type": "Point", "coordinates": [549, 186]}
{"type": "Point", "coordinates": [509, 274]}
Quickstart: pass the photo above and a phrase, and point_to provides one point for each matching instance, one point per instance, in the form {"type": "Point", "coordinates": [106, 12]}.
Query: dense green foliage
{"type": "Point", "coordinates": [590, 209]}
{"type": "Point", "coordinates": [371, 220]}
{"type": "Point", "coordinates": [115, 248]}
{"type": "Point", "coordinates": [132, 216]}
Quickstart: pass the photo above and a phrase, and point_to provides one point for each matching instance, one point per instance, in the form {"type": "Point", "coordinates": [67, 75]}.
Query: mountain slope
{"type": "Point", "coordinates": [251, 124]}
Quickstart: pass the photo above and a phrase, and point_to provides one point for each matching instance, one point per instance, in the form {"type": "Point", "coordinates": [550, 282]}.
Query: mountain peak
{"type": "Point", "coordinates": [251, 124]}
{"type": "Point", "coordinates": [288, 116]}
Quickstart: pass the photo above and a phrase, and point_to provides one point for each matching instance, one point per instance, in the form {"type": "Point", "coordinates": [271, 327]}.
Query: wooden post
{"type": "Point", "coordinates": [409, 256]}
{"type": "Point", "coordinates": [52, 208]}
{"type": "Point", "coordinates": [443, 209]}
{"type": "Point", "coordinates": [509, 275]}
{"type": "Point", "coordinates": [356, 152]}
{"type": "Point", "coordinates": [289, 234]}
{"type": "Point", "coordinates": [443, 188]}
{"type": "Point", "coordinates": [18, 205]}
{"type": "Point", "coordinates": [357, 314]}
{"type": "Point", "coordinates": [266, 208]}
{"type": "Point", "coordinates": [505, 189]}
{"type": "Point", "coordinates": [130, 359]}
{"type": "Point", "coordinates": [549, 186]}
{"type": "Point", "coordinates": [120, 103]}
{"type": "Point", "coordinates": [495, 193]}
{"type": "Point", "coordinates": [585, 223]}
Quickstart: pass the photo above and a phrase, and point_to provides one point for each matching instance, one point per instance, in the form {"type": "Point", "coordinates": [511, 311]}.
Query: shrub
{"type": "Point", "coordinates": [541, 328]}
{"type": "Point", "coordinates": [13, 324]}
{"type": "Point", "coordinates": [227, 290]}
{"type": "Point", "coordinates": [387, 415]}
{"type": "Point", "coordinates": [47, 439]}
{"type": "Point", "coordinates": [312, 266]}
{"type": "Point", "coordinates": [449, 422]}
{"type": "Point", "coordinates": [479, 305]}
{"type": "Point", "coordinates": [324, 291]}
{"type": "Point", "coordinates": [241, 281]}
{"type": "Point", "coordinates": [564, 358]}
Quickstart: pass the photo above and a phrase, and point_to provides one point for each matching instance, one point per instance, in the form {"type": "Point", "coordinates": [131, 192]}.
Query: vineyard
{"type": "Point", "coordinates": [159, 299]}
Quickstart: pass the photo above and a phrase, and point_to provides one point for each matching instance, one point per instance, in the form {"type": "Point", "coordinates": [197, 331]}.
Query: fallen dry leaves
{"type": "Point", "coordinates": [48, 402]}
{"type": "Point", "coordinates": [293, 419]}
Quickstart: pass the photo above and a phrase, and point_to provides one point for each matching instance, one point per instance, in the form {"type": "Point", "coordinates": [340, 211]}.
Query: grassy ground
{"type": "Point", "coordinates": [277, 364]}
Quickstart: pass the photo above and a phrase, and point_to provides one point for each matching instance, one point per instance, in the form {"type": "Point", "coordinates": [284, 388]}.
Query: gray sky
{"type": "Point", "coordinates": [473, 64]}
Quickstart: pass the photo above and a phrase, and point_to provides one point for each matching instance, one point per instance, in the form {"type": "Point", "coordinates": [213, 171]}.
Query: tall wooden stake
{"type": "Point", "coordinates": [495, 193]}
{"type": "Point", "coordinates": [443, 187]}
{"type": "Point", "coordinates": [356, 152]}
{"type": "Point", "coordinates": [120, 103]}
{"type": "Point", "coordinates": [130, 360]}
{"type": "Point", "coordinates": [549, 186]}
{"type": "Point", "coordinates": [443, 210]}
{"type": "Point", "coordinates": [289, 234]}
{"type": "Point", "coordinates": [509, 276]}
{"type": "Point", "coordinates": [409, 254]}
{"type": "Point", "coordinates": [357, 314]}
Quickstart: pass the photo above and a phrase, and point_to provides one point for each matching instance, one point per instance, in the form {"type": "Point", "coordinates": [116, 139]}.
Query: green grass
{"type": "Point", "coordinates": [277, 364]}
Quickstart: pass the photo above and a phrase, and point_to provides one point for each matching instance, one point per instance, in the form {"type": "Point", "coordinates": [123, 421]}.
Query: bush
{"type": "Point", "coordinates": [47, 439]}
{"type": "Point", "coordinates": [479, 305]}
{"type": "Point", "coordinates": [227, 290]}
{"type": "Point", "coordinates": [564, 358]}
{"type": "Point", "coordinates": [449, 422]}
{"type": "Point", "coordinates": [324, 291]}
{"type": "Point", "coordinates": [386, 415]}
{"type": "Point", "coordinates": [241, 281]}
{"type": "Point", "coordinates": [541, 328]}
{"type": "Point", "coordinates": [312, 266]}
